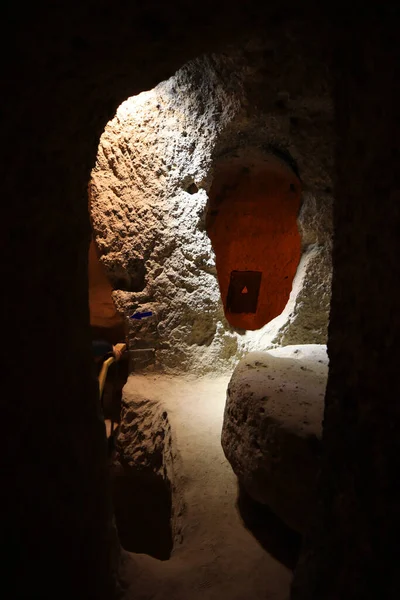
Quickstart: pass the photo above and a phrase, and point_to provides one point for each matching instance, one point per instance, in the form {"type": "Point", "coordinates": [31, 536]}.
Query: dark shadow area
{"type": "Point", "coordinates": [269, 530]}
{"type": "Point", "coordinates": [142, 506]}
{"type": "Point", "coordinates": [114, 334]}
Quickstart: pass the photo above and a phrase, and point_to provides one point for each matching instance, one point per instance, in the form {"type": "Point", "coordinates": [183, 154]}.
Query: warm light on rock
{"type": "Point", "coordinates": [252, 223]}
{"type": "Point", "coordinates": [103, 313]}
{"type": "Point", "coordinates": [188, 188]}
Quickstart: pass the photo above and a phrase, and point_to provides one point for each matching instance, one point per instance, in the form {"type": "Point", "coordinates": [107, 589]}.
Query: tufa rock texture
{"type": "Point", "coordinates": [150, 197]}
{"type": "Point", "coordinates": [68, 66]}
{"type": "Point", "coordinates": [273, 425]}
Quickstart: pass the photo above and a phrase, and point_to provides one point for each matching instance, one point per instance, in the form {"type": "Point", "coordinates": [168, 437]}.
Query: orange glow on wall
{"type": "Point", "coordinates": [103, 314]}
{"type": "Point", "coordinates": [252, 224]}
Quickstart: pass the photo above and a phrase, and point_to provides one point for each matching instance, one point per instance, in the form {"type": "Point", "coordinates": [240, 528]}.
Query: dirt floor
{"type": "Point", "coordinates": [228, 546]}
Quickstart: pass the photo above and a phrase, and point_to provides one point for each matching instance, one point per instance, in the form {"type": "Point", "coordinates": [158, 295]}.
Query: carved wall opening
{"type": "Point", "coordinates": [252, 223]}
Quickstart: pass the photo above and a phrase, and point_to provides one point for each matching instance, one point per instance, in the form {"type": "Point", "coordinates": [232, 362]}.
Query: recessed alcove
{"type": "Point", "coordinates": [254, 202]}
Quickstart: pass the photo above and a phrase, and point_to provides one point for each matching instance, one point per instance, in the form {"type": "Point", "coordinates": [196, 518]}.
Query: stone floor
{"type": "Point", "coordinates": [227, 547]}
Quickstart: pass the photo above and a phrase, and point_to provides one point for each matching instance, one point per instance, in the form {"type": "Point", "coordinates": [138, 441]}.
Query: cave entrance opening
{"type": "Point", "coordinates": [251, 220]}
{"type": "Point", "coordinates": [191, 231]}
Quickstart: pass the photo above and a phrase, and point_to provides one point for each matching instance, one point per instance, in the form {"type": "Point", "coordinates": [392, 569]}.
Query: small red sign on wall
{"type": "Point", "coordinates": [244, 288]}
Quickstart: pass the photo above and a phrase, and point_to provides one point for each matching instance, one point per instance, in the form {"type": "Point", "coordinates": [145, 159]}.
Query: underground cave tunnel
{"type": "Point", "coordinates": [160, 163]}
{"type": "Point", "coordinates": [57, 522]}
{"type": "Point", "coordinates": [251, 220]}
{"type": "Point", "coordinates": [200, 211]}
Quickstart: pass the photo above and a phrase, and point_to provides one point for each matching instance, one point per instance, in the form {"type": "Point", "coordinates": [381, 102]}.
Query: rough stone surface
{"type": "Point", "coordinates": [70, 64]}
{"type": "Point", "coordinates": [273, 425]}
{"type": "Point", "coordinates": [149, 194]}
{"type": "Point", "coordinates": [171, 425]}
{"type": "Point", "coordinates": [144, 435]}
{"type": "Point", "coordinates": [67, 67]}
{"type": "Point", "coordinates": [145, 446]}
{"type": "Point", "coordinates": [307, 312]}
{"type": "Point", "coordinates": [351, 548]}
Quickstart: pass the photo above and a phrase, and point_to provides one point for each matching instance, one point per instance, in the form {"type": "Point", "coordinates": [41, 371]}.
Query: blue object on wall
{"type": "Point", "coordinates": [140, 315]}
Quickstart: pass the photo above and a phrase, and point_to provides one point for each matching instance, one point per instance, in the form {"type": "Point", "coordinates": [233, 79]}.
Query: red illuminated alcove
{"type": "Point", "coordinates": [252, 224]}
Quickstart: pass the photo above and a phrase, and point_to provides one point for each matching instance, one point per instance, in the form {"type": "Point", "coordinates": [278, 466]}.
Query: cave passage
{"type": "Point", "coordinates": [252, 224]}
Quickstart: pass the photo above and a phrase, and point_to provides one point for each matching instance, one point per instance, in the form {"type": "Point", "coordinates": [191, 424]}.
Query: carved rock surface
{"type": "Point", "coordinates": [150, 196]}
{"type": "Point", "coordinates": [272, 427]}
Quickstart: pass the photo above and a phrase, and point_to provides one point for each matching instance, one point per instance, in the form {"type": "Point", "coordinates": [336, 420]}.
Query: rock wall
{"type": "Point", "coordinates": [149, 196]}
{"type": "Point", "coordinates": [349, 553]}
{"type": "Point", "coordinates": [272, 428]}
{"type": "Point", "coordinates": [68, 66]}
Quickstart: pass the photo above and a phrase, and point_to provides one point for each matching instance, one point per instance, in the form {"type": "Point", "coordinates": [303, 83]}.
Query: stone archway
{"type": "Point", "coordinates": [78, 65]}
{"type": "Point", "coordinates": [159, 164]}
